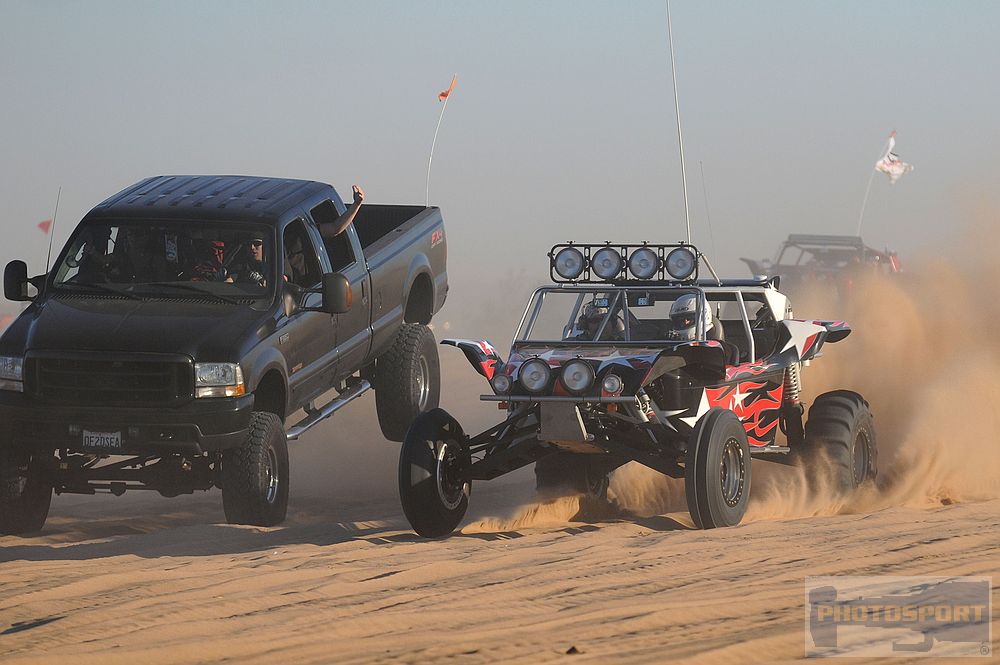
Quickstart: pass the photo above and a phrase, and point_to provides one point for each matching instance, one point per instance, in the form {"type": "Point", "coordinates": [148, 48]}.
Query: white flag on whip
{"type": "Point", "coordinates": [891, 164]}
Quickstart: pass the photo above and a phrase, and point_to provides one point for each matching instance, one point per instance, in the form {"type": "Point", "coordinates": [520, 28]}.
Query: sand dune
{"type": "Point", "coordinates": [167, 587]}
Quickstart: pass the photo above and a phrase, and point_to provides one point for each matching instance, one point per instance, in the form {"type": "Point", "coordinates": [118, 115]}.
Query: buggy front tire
{"type": "Point", "coordinates": [433, 486]}
{"type": "Point", "coordinates": [255, 475]}
{"type": "Point", "coordinates": [717, 470]}
{"type": "Point", "coordinates": [407, 380]}
{"type": "Point", "coordinates": [839, 452]}
{"type": "Point", "coordinates": [25, 491]}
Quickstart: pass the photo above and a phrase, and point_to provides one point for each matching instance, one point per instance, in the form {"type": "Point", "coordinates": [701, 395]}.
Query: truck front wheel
{"type": "Point", "coordinates": [255, 475]}
{"type": "Point", "coordinates": [407, 380]}
{"type": "Point", "coordinates": [25, 491]}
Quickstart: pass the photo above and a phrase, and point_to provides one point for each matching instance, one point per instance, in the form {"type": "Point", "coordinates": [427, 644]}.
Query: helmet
{"type": "Point", "coordinates": [684, 312]}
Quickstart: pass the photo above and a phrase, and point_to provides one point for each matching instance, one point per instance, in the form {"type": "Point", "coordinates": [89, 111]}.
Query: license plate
{"type": "Point", "coordinates": [111, 440]}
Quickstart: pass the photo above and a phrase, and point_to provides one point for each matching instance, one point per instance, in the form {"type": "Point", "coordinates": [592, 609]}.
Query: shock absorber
{"type": "Point", "coordinates": [791, 408]}
{"type": "Point", "coordinates": [793, 385]}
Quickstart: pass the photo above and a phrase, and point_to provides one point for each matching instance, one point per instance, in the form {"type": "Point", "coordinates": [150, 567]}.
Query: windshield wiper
{"type": "Point", "coordinates": [103, 288]}
{"type": "Point", "coordinates": [184, 286]}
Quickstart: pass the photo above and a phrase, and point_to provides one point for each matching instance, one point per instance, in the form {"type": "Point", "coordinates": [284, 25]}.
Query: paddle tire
{"type": "Point", "coordinates": [25, 491]}
{"type": "Point", "coordinates": [407, 380]}
{"type": "Point", "coordinates": [717, 470]}
{"type": "Point", "coordinates": [255, 475]}
{"type": "Point", "coordinates": [433, 484]}
{"type": "Point", "coordinates": [562, 473]}
{"type": "Point", "coordinates": [839, 451]}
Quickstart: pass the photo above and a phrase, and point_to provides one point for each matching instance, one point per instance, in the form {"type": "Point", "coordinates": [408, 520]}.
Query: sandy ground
{"type": "Point", "coordinates": [155, 581]}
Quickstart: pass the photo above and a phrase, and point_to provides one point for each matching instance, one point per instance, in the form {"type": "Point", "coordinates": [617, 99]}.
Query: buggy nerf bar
{"type": "Point", "coordinates": [620, 399]}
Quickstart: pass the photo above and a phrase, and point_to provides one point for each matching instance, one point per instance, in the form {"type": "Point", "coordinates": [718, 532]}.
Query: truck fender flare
{"type": "Point", "coordinates": [269, 360]}
{"type": "Point", "coordinates": [419, 265]}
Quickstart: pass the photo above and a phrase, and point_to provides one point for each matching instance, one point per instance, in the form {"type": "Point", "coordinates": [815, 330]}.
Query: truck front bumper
{"type": "Point", "coordinates": [197, 426]}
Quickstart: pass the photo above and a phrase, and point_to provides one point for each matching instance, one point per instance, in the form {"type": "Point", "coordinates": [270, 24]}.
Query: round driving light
{"type": "Point", "coordinates": [612, 384]}
{"type": "Point", "coordinates": [606, 263]}
{"type": "Point", "coordinates": [577, 376]}
{"type": "Point", "coordinates": [643, 263]}
{"type": "Point", "coordinates": [681, 263]}
{"type": "Point", "coordinates": [535, 375]}
{"type": "Point", "coordinates": [501, 384]}
{"type": "Point", "coordinates": [569, 263]}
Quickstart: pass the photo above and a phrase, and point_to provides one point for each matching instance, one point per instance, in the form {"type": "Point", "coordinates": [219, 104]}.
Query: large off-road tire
{"type": "Point", "coordinates": [717, 470]}
{"type": "Point", "coordinates": [839, 452]}
{"type": "Point", "coordinates": [255, 475]}
{"type": "Point", "coordinates": [561, 473]}
{"type": "Point", "coordinates": [407, 380]}
{"type": "Point", "coordinates": [433, 486]}
{"type": "Point", "coordinates": [25, 491]}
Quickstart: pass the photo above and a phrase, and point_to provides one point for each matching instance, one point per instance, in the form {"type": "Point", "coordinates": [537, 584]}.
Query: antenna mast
{"type": "Point", "coordinates": [677, 111]}
{"type": "Point", "coordinates": [52, 231]}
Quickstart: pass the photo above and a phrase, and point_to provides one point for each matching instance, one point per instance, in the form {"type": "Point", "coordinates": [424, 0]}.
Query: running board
{"type": "Point", "coordinates": [325, 412]}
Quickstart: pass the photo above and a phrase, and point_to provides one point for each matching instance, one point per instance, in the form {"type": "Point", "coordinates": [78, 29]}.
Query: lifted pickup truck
{"type": "Point", "coordinates": [188, 317]}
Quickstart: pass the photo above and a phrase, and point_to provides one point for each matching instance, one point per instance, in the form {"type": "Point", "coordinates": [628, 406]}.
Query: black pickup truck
{"type": "Point", "coordinates": [188, 317]}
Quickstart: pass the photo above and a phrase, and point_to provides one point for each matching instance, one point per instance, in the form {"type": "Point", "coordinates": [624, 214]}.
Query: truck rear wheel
{"type": "Point", "coordinates": [25, 491]}
{"type": "Point", "coordinates": [255, 475]}
{"type": "Point", "coordinates": [561, 472]}
{"type": "Point", "coordinates": [839, 428]}
{"type": "Point", "coordinates": [433, 488]}
{"type": "Point", "coordinates": [407, 380]}
{"type": "Point", "coordinates": [717, 470]}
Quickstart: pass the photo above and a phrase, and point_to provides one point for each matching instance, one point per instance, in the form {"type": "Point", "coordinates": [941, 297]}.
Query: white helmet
{"type": "Point", "coordinates": [684, 312]}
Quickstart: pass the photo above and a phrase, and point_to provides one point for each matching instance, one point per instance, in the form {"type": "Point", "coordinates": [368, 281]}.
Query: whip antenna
{"type": "Point", "coordinates": [677, 112]}
{"type": "Point", "coordinates": [52, 232]}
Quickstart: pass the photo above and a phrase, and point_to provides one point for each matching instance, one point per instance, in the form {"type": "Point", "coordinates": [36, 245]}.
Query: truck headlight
{"type": "Point", "coordinates": [218, 380]}
{"type": "Point", "coordinates": [12, 373]}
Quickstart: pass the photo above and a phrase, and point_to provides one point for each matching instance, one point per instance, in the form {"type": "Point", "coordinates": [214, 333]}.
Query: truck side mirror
{"type": "Point", "coordinates": [15, 281]}
{"type": "Point", "coordinates": [337, 295]}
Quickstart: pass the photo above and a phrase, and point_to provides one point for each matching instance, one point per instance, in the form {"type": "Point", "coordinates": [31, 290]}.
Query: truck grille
{"type": "Point", "coordinates": [87, 381]}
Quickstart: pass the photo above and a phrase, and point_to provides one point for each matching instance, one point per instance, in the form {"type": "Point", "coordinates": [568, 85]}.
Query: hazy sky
{"type": "Point", "coordinates": [561, 126]}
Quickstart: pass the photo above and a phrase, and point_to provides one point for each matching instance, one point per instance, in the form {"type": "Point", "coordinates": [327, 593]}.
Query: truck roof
{"type": "Point", "coordinates": [210, 197]}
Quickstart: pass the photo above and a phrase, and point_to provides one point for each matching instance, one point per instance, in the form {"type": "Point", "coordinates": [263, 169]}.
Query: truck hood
{"type": "Point", "coordinates": [205, 331]}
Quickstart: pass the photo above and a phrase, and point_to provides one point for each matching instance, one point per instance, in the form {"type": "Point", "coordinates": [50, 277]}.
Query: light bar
{"type": "Point", "coordinates": [609, 263]}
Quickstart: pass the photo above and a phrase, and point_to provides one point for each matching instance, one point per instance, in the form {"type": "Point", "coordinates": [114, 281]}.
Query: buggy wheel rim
{"type": "Point", "coordinates": [862, 458]}
{"type": "Point", "coordinates": [423, 384]}
{"type": "Point", "coordinates": [732, 472]}
{"type": "Point", "coordinates": [451, 488]}
{"type": "Point", "coordinates": [271, 476]}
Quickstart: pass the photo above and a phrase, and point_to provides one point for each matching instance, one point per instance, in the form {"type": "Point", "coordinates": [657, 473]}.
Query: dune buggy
{"type": "Point", "coordinates": [600, 374]}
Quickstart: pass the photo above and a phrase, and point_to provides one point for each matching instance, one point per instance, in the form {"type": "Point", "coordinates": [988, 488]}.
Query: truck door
{"type": "Point", "coordinates": [307, 338]}
{"type": "Point", "coordinates": [354, 331]}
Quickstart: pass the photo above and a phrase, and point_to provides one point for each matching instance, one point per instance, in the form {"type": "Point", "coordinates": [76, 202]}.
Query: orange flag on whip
{"type": "Point", "coordinates": [45, 226]}
{"type": "Point", "coordinates": [444, 95]}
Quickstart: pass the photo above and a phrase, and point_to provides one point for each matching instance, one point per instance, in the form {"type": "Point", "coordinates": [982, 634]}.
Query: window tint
{"type": "Point", "coordinates": [301, 265]}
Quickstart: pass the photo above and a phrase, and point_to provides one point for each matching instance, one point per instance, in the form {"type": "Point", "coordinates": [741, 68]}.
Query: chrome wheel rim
{"type": "Point", "coordinates": [271, 473]}
{"type": "Point", "coordinates": [451, 488]}
{"type": "Point", "coordinates": [423, 383]}
{"type": "Point", "coordinates": [732, 472]}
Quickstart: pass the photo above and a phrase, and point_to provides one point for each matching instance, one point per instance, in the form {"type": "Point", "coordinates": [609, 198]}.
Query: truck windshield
{"type": "Point", "coordinates": [229, 261]}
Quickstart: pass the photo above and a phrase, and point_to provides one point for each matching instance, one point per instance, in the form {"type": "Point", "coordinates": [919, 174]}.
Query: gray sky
{"type": "Point", "coordinates": [561, 126]}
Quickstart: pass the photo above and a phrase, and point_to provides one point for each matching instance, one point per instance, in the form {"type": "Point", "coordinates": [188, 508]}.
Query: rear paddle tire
{"type": "Point", "coordinates": [839, 451]}
{"type": "Point", "coordinates": [433, 486]}
{"type": "Point", "coordinates": [561, 473]}
{"type": "Point", "coordinates": [717, 470]}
